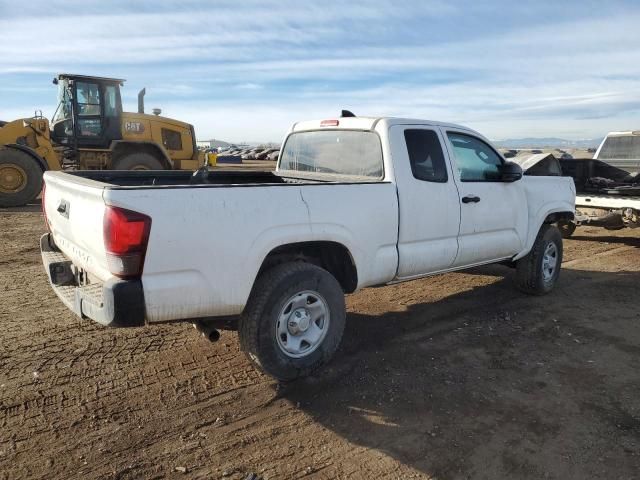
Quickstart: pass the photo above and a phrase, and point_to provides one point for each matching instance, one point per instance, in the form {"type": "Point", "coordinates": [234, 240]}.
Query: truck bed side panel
{"type": "Point", "coordinates": [207, 244]}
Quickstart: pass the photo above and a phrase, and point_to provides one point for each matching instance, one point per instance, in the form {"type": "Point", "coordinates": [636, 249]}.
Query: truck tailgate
{"type": "Point", "coordinates": [75, 208]}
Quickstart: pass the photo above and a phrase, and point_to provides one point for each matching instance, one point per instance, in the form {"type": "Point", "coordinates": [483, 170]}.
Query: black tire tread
{"type": "Point", "coordinates": [528, 271]}
{"type": "Point", "coordinates": [249, 324]}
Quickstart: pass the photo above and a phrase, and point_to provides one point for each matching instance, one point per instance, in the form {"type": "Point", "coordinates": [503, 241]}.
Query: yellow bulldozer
{"type": "Point", "coordinates": [89, 130]}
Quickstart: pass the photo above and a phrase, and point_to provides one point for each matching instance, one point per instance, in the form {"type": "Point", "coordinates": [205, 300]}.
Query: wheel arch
{"type": "Point", "coordinates": [329, 255]}
{"type": "Point", "coordinates": [122, 148]}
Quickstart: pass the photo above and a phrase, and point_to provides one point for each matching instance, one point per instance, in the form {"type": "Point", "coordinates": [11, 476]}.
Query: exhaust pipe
{"type": "Point", "coordinates": [207, 331]}
{"type": "Point", "coordinates": [141, 95]}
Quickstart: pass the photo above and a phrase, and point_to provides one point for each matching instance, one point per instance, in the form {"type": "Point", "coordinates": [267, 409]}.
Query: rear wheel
{"type": "Point", "coordinates": [138, 161]}
{"type": "Point", "coordinates": [293, 321]}
{"type": "Point", "coordinates": [20, 178]}
{"type": "Point", "coordinates": [538, 271]}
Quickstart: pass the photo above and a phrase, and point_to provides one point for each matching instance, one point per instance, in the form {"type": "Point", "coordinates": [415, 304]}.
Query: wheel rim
{"type": "Point", "coordinates": [140, 167]}
{"type": "Point", "coordinates": [549, 261]}
{"type": "Point", "coordinates": [303, 324]}
{"type": "Point", "coordinates": [13, 178]}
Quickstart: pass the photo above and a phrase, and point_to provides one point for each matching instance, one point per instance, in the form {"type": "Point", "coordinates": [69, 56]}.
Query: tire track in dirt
{"type": "Point", "coordinates": [452, 376]}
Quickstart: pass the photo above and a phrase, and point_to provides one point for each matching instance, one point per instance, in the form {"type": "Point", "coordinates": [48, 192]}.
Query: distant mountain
{"type": "Point", "coordinates": [550, 142]}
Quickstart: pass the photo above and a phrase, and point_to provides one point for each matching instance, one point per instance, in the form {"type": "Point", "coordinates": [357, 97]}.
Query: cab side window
{"type": "Point", "coordinates": [476, 160]}
{"type": "Point", "coordinates": [425, 155]}
{"type": "Point", "coordinates": [88, 99]}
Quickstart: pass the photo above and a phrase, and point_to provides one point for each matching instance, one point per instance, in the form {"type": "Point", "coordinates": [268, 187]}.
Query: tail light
{"type": "Point", "coordinates": [44, 208]}
{"type": "Point", "coordinates": [126, 234]}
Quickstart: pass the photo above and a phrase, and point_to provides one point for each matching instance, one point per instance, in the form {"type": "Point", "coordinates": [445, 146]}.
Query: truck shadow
{"type": "Point", "coordinates": [35, 206]}
{"type": "Point", "coordinates": [487, 382]}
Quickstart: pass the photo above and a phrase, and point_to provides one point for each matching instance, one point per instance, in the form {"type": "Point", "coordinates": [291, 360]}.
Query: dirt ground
{"type": "Point", "coordinates": [457, 376]}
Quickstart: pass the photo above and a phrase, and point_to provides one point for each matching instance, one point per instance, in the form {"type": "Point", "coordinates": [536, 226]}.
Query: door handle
{"type": "Point", "coordinates": [470, 199]}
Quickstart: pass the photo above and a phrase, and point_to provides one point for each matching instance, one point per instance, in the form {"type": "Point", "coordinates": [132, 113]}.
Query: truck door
{"type": "Point", "coordinates": [98, 109]}
{"type": "Point", "coordinates": [88, 122]}
{"type": "Point", "coordinates": [428, 201]}
{"type": "Point", "coordinates": [493, 215]}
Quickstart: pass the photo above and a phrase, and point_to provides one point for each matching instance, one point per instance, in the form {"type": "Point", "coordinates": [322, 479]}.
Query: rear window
{"type": "Point", "coordinates": [627, 147]}
{"type": "Point", "coordinates": [334, 152]}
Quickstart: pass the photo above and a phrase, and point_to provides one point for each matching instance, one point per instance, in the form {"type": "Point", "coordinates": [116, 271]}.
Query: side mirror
{"type": "Point", "coordinates": [510, 172]}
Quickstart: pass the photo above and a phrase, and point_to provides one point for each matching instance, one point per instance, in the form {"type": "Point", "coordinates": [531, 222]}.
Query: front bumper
{"type": "Point", "coordinates": [115, 303]}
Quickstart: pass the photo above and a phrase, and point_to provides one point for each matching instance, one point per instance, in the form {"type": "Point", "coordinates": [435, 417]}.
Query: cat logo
{"type": "Point", "coordinates": [134, 127]}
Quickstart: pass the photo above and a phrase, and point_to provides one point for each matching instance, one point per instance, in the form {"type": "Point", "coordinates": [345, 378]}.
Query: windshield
{"type": "Point", "coordinates": [63, 111]}
{"type": "Point", "coordinates": [620, 148]}
{"type": "Point", "coordinates": [334, 152]}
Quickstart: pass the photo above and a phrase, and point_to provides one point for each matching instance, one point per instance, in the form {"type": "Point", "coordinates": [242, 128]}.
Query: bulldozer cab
{"type": "Point", "coordinates": [89, 111]}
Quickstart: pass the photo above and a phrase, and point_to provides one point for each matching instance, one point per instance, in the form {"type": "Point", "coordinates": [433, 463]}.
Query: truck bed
{"type": "Point", "coordinates": [594, 177]}
{"type": "Point", "coordinates": [140, 178]}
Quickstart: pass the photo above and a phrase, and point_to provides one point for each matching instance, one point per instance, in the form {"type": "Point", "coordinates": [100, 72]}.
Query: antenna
{"type": "Point", "coordinates": [347, 113]}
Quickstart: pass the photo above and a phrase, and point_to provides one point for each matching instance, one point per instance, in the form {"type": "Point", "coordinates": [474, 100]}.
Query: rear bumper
{"type": "Point", "coordinates": [115, 303]}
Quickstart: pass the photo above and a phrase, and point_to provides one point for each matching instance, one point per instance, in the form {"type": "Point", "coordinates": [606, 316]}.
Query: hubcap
{"type": "Point", "coordinates": [303, 324]}
{"type": "Point", "coordinates": [549, 261]}
{"type": "Point", "coordinates": [12, 178]}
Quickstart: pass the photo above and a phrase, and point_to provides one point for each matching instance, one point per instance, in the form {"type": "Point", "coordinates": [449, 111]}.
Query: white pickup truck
{"type": "Point", "coordinates": [354, 202]}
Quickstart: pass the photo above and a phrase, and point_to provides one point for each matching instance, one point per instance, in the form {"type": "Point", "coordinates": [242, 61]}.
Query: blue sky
{"type": "Point", "coordinates": [245, 70]}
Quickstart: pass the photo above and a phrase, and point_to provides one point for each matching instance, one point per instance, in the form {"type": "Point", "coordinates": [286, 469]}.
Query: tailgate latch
{"type": "Point", "coordinates": [63, 208]}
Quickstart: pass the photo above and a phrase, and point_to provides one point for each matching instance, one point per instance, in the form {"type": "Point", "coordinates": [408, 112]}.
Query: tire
{"type": "Point", "coordinates": [138, 161]}
{"type": "Point", "coordinates": [532, 275]}
{"type": "Point", "coordinates": [20, 178]}
{"type": "Point", "coordinates": [566, 227]}
{"type": "Point", "coordinates": [268, 326]}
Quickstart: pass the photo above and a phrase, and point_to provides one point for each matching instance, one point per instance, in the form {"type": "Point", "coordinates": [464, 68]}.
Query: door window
{"type": "Point", "coordinates": [89, 118]}
{"type": "Point", "coordinates": [475, 159]}
{"type": "Point", "coordinates": [88, 98]}
{"type": "Point", "coordinates": [425, 155]}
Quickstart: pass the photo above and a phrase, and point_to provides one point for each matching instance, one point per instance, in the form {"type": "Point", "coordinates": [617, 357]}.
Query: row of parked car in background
{"type": "Point", "coordinates": [255, 153]}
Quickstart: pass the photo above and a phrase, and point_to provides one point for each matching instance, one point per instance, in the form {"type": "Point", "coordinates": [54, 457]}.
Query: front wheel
{"type": "Point", "coordinates": [293, 321]}
{"type": "Point", "coordinates": [538, 271]}
{"type": "Point", "coordinates": [20, 178]}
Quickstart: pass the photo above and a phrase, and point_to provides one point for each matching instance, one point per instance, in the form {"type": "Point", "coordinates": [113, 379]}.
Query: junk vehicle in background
{"type": "Point", "coordinates": [354, 202]}
{"type": "Point", "coordinates": [608, 186]}
{"type": "Point", "coordinates": [89, 130]}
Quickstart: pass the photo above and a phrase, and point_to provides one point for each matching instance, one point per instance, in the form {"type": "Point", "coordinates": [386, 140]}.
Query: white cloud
{"type": "Point", "coordinates": [258, 67]}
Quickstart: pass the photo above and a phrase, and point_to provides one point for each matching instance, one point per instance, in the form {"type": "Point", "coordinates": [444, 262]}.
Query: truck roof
{"type": "Point", "coordinates": [370, 123]}
{"type": "Point", "coordinates": [62, 76]}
